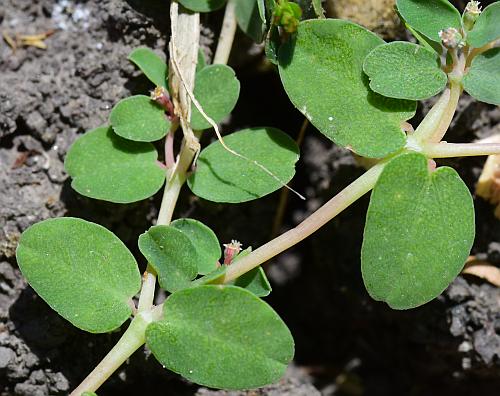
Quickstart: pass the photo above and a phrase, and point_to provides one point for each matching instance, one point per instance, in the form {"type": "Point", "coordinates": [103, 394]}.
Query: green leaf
{"type": "Point", "coordinates": [204, 241]}
{"type": "Point", "coordinates": [171, 254]}
{"type": "Point", "coordinates": [430, 16]}
{"type": "Point", "coordinates": [483, 79]}
{"type": "Point", "coordinates": [221, 176]}
{"type": "Point", "coordinates": [217, 89]}
{"type": "Point", "coordinates": [151, 65]}
{"type": "Point", "coordinates": [254, 280]}
{"type": "Point", "coordinates": [419, 231]}
{"type": "Point", "coordinates": [202, 63]}
{"type": "Point", "coordinates": [89, 394]}
{"type": "Point", "coordinates": [82, 270]}
{"type": "Point", "coordinates": [108, 167]}
{"type": "Point", "coordinates": [212, 277]}
{"type": "Point", "coordinates": [404, 70]}
{"type": "Point", "coordinates": [251, 18]}
{"type": "Point", "coordinates": [140, 119]}
{"type": "Point", "coordinates": [202, 5]}
{"type": "Point", "coordinates": [487, 27]}
{"type": "Point", "coordinates": [318, 9]}
{"type": "Point", "coordinates": [322, 72]}
{"type": "Point", "coordinates": [221, 337]}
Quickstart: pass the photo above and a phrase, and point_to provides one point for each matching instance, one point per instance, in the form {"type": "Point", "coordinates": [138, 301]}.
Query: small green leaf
{"type": "Point", "coordinates": [254, 281]}
{"type": "Point", "coordinates": [217, 89]}
{"type": "Point", "coordinates": [487, 27]}
{"type": "Point", "coordinates": [171, 254]}
{"type": "Point", "coordinates": [212, 277]}
{"type": "Point", "coordinates": [204, 241]}
{"type": "Point", "coordinates": [151, 65]}
{"type": "Point", "coordinates": [108, 167]}
{"type": "Point", "coordinates": [221, 176]}
{"type": "Point", "coordinates": [419, 231]}
{"type": "Point", "coordinates": [202, 5]}
{"type": "Point", "coordinates": [202, 63]}
{"type": "Point", "coordinates": [251, 18]}
{"type": "Point", "coordinates": [322, 72]}
{"type": "Point", "coordinates": [82, 270]}
{"type": "Point", "coordinates": [140, 119]}
{"type": "Point", "coordinates": [89, 394]}
{"type": "Point", "coordinates": [221, 337]}
{"type": "Point", "coordinates": [430, 16]}
{"type": "Point", "coordinates": [404, 70]}
{"type": "Point", "coordinates": [483, 79]}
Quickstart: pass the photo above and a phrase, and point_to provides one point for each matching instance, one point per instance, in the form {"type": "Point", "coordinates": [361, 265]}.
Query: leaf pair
{"type": "Point", "coordinates": [119, 164]}
{"type": "Point", "coordinates": [180, 251]}
{"type": "Point", "coordinates": [427, 18]}
{"type": "Point", "coordinates": [140, 118]}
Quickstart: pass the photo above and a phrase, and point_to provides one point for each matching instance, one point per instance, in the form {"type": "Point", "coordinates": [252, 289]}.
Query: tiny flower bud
{"type": "Point", "coordinates": [472, 12]}
{"type": "Point", "coordinates": [450, 38]}
{"type": "Point", "coordinates": [231, 250]}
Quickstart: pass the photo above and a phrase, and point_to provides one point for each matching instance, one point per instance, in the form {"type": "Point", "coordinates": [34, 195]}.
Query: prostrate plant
{"type": "Point", "coordinates": [359, 91]}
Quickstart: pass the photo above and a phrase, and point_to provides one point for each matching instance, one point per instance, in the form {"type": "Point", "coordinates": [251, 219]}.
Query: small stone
{"type": "Point", "coordinates": [7, 355]}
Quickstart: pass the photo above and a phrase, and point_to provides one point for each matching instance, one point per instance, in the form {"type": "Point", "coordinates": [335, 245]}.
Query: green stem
{"type": "Point", "coordinates": [448, 113]}
{"type": "Point", "coordinates": [432, 119]}
{"type": "Point", "coordinates": [319, 218]}
{"type": "Point", "coordinates": [447, 150]}
{"type": "Point", "coordinates": [130, 341]}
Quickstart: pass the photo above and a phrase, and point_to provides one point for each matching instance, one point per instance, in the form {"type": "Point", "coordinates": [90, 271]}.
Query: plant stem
{"type": "Point", "coordinates": [448, 113]}
{"type": "Point", "coordinates": [446, 150]}
{"type": "Point", "coordinates": [226, 36]}
{"type": "Point", "coordinates": [130, 341]}
{"type": "Point", "coordinates": [319, 218]}
{"type": "Point", "coordinates": [432, 119]}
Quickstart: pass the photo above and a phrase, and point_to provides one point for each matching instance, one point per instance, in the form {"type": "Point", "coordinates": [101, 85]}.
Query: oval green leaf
{"type": "Point", "coordinates": [205, 243]}
{"type": "Point", "coordinates": [404, 70]}
{"type": "Point", "coordinates": [140, 119]}
{"type": "Point", "coordinates": [217, 90]}
{"type": "Point", "coordinates": [151, 65]}
{"type": "Point", "coordinates": [221, 176]}
{"type": "Point", "coordinates": [483, 78]}
{"type": "Point", "coordinates": [171, 254]}
{"type": "Point", "coordinates": [251, 18]}
{"type": "Point", "coordinates": [322, 72]}
{"type": "Point", "coordinates": [202, 5]}
{"type": "Point", "coordinates": [419, 231]}
{"type": "Point", "coordinates": [430, 16]}
{"type": "Point", "coordinates": [487, 27]}
{"type": "Point", "coordinates": [222, 337]}
{"type": "Point", "coordinates": [108, 167]}
{"type": "Point", "coordinates": [82, 270]}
